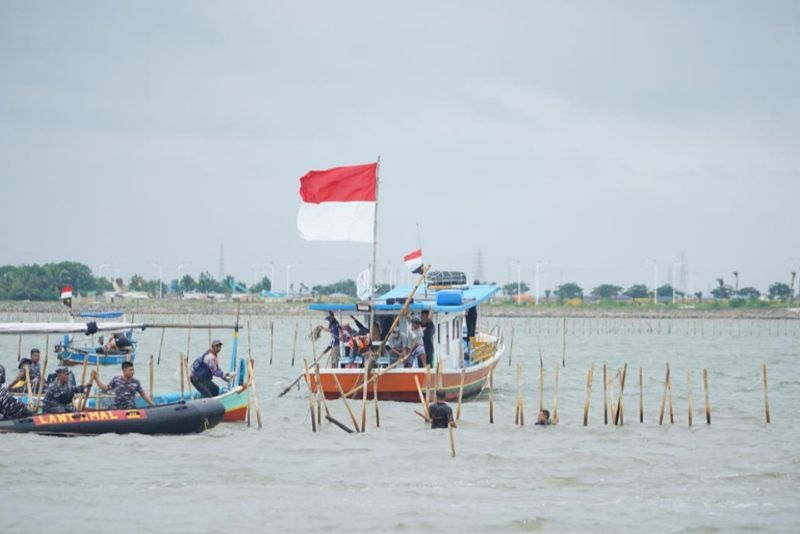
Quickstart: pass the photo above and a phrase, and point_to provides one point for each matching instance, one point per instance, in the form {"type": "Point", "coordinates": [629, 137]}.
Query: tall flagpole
{"type": "Point", "coordinates": [374, 250]}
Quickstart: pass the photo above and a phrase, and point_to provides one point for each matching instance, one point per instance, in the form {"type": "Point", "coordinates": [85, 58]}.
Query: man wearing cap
{"type": "Point", "coordinates": [59, 394]}
{"type": "Point", "coordinates": [34, 372]}
{"type": "Point", "coordinates": [415, 343]}
{"type": "Point", "coordinates": [205, 368]}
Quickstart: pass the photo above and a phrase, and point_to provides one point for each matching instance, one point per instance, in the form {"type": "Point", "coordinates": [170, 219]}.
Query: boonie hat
{"type": "Point", "coordinates": [216, 342]}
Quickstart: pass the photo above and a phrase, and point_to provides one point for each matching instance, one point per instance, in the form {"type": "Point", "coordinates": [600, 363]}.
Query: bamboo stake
{"type": "Point", "coordinates": [346, 404]}
{"type": "Point", "coordinates": [428, 383]}
{"type": "Point", "coordinates": [663, 398]}
{"type": "Point", "coordinates": [19, 348]}
{"type": "Point", "coordinates": [460, 394]}
{"type": "Point", "coordinates": [564, 345]}
{"type": "Point", "coordinates": [82, 405]}
{"type": "Point", "coordinates": [541, 386]}
{"type": "Point", "coordinates": [555, 398]}
{"type": "Point", "coordinates": [587, 400]}
{"type": "Point", "coordinates": [452, 442]}
{"type": "Point", "coordinates": [491, 396]}
{"type": "Point", "coordinates": [620, 418]}
{"type": "Point", "coordinates": [705, 391]}
{"type": "Point", "coordinates": [321, 393]}
{"type": "Point", "coordinates": [251, 364]}
{"type": "Point", "coordinates": [339, 424]}
{"type": "Point", "coordinates": [611, 405]}
{"type": "Point", "coordinates": [766, 396]}
{"type": "Point", "coordinates": [180, 356]}
{"type": "Point", "coordinates": [188, 378]}
{"type": "Point", "coordinates": [516, 405]}
{"type": "Point", "coordinates": [249, 343]}
{"type": "Point", "coordinates": [689, 394]}
{"type": "Point", "coordinates": [294, 343]}
{"type": "Point", "coordinates": [313, 344]}
{"type": "Point", "coordinates": [669, 399]}
{"type": "Point", "coordinates": [152, 376]}
{"type": "Point", "coordinates": [189, 339]}
{"type": "Point", "coordinates": [605, 394]}
{"type": "Point", "coordinates": [375, 396]}
{"type": "Point", "coordinates": [310, 397]}
{"type": "Point", "coordinates": [271, 340]}
{"type": "Point", "coordinates": [437, 383]}
{"type": "Point", "coordinates": [423, 416]}
{"type": "Point", "coordinates": [641, 397]}
{"type": "Point", "coordinates": [364, 391]}
{"type": "Point", "coordinates": [42, 375]}
{"type": "Point", "coordinates": [160, 345]}
{"type": "Point", "coordinates": [422, 398]}
{"type": "Point", "coordinates": [521, 401]}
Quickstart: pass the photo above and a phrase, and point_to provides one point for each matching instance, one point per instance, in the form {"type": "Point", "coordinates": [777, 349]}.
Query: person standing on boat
{"type": "Point", "coordinates": [396, 346]}
{"type": "Point", "coordinates": [428, 330]}
{"type": "Point", "coordinates": [59, 394]}
{"type": "Point", "coordinates": [441, 413]}
{"type": "Point", "coordinates": [125, 388]}
{"type": "Point", "coordinates": [335, 331]}
{"type": "Point", "coordinates": [415, 343]}
{"type": "Point", "coordinates": [34, 371]}
{"type": "Point", "coordinates": [205, 368]}
{"type": "Point", "coordinates": [10, 408]}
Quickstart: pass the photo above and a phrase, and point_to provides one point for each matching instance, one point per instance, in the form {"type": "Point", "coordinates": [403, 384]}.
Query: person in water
{"type": "Point", "coordinates": [59, 394]}
{"type": "Point", "coordinates": [543, 418]}
{"type": "Point", "coordinates": [205, 368]}
{"type": "Point", "coordinates": [441, 414]}
{"type": "Point", "coordinates": [125, 388]}
{"type": "Point", "coordinates": [10, 408]}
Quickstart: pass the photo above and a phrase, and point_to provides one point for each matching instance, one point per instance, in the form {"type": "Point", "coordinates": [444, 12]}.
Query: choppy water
{"type": "Point", "coordinates": [739, 474]}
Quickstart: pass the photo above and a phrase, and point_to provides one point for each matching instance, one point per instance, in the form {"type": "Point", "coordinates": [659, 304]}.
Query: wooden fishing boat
{"type": "Point", "coordinates": [459, 349]}
{"type": "Point", "coordinates": [70, 353]}
{"type": "Point", "coordinates": [182, 418]}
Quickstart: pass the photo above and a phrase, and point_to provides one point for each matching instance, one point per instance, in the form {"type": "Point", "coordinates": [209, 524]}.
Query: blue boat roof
{"type": "Point", "coordinates": [101, 315]}
{"type": "Point", "coordinates": [471, 296]}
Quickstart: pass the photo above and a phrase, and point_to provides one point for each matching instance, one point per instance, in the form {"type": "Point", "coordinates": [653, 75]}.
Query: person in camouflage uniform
{"type": "Point", "coordinates": [59, 394]}
{"type": "Point", "coordinates": [10, 408]}
{"type": "Point", "coordinates": [34, 371]}
{"type": "Point", "coordinates": [124, 387]}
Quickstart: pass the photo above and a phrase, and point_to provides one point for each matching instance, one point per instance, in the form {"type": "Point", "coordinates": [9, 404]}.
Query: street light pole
{"type": "Point", "coordinates": [519, 283]}
{"type": "Point", "coordinates": [160, 278]}
{"type": "Point", "coordinates": [288, 269]}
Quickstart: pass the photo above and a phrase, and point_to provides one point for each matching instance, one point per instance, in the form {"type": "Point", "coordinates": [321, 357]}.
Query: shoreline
{"type": "Point", "coordinates": [182, 307]}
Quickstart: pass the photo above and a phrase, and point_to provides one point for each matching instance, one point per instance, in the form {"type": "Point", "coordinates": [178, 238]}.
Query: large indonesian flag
{"type": "Point", "coordinates": [338, 204]}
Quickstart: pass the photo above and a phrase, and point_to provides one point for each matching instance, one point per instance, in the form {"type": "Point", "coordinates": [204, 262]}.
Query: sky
{"type": "Point", "coordinates": [603, 141]}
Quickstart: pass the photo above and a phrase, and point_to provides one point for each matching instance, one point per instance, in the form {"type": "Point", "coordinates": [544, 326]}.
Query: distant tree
{"type": "Point", "coordinates": [699, 296]}
{"type": "Point", "coordinates": [207, 284]}
{"type": "Point", "coordinates": [606, 291]}
{"type": "Point", "coordinates": [665, 291]}
{"type": "Point", "coordinates": [186, 284]}
{"type": "Point", "coordinates": [722, 291]}
{"type": "Point", "coordinates": [348, 287]}
{"type": "Point", "coordinates": [637, 291]}
{"type": "Point", "coordinates": [570, 290]}
{"type": "Point", "coordinates": [510, 289]}
{"type": "Point", "coordinates": [779, 291]}
{"type": "Point", "coordinates": [137, 283]}
{"type": "Point", "coordinates": [265, 284]}
{"type": "Point", "coordinates": [748, 293]}
{"type": "Point", "coordinates": [547, 293]}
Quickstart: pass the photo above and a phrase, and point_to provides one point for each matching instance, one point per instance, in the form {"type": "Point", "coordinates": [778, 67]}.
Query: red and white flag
{"type": "Point", "coordinates": [413, 261]}
{"type": "Point", "coordinates": [66, 292]}
{"type": "Point", "coordinates": [338, 204]}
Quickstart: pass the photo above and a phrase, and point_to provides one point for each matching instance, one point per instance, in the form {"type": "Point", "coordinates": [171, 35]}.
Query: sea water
{"type": "Point", "coordinates": [737, 474]}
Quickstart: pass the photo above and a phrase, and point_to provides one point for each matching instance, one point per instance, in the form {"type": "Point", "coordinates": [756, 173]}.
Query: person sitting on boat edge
{"type": "Point", "coordinates": [118, 342]}
{"type": "Point", "coordinates": [10, 408]}
{"type": "Point", "coordinates": [428, 330]}
{"type": "Point", "coordinates": [441, 413]}
{"type": "Point", "coordinates": [34, 371]}
{"type": "Point", "coordinates": [335, 331]}
{"type": "Point", "coordinates": [543, 418]}
{"type": "Point", "coordinates": [416, 345]}
{"type": "Point", "coordinates": [204, 368]}
{"type": "Point", "coordinates": [125, 388]}
{"type": "Point", "coordinates": [59, 394]}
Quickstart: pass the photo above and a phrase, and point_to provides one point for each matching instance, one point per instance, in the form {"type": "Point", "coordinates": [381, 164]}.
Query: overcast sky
{"type": "Point", "coordinates": [596, 137]}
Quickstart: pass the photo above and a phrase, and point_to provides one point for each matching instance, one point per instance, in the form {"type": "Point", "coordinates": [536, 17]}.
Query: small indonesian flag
{"type": "Point", "coordinates": [338, 204]}
{"type": "Point", "coordinates": [413, 261]}
{"type": "Point", "coordinates": [66, 292]}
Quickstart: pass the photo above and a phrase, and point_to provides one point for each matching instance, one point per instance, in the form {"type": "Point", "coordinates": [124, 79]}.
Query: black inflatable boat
{"type": "Point", "coordinates": [182, 418]}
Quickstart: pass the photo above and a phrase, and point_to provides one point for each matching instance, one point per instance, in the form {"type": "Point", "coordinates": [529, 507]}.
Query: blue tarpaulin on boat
{"type": "Point", "coordinates": [471, 296]}
{"type": "Point", "coordinates": [101, 315]}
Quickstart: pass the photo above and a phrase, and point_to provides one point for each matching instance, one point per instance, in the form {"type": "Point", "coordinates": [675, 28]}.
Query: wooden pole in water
{"type": "Point", "coordinates": [541, 386]}
{"type": "Point", "coordinates": [249, 341]}
{"type": "Point", "coordinates": [586, 401]}
{"type": "Point", "coordinates": [555, 398]}
{"type": "Point", "coordinates": [160, 345]}
{"type": "Point", "coordinates": [321, 392]}
{"type": "Point", "coordinates": [460, 394]}
{"type": "Point", "coordinates": [209, 334]}
{"type": "Point", "coordinates": [689, 395]}
{"type": "Point", "coordinates": [346, 404]}
{"type": "Point", "coordinates": [437, 383]}
{"type": "Point", "coordinates": [310, 397]}
{"type": "Point", "coordinates": [422, 398]}
{"type": "Point", "coordinates": [641, 397]}
{"type": "Point", "coordinates": [152, 376]}
{"type": "Point", "coordinates": [188, 377]}
{"type": "Point", "coordinates": [452, 442]}
{"type": "Point", "coordinates": [766, 396]}
{"type": "Point", "coordinates": [669, 398]}
{"type": "Point", "coordinates": [516, 404]}
{"type": "Point", "coordinates": [180, 356]}
{"type": "Point", "coordinates": [251, 365]}
{"type": "Point", "coordinates": [605, 394]}
{"type": "Point", "coordinates": [663, 398]}
{"type": "Point", "coordinates": [271, 340]}
{"type": "Point", "coordinates": [19, 348]}
{"type": "Point", "coordinates": [620, 418]}
{"type": "Point", "coordinates": [364, 392]}
{"type": "Point", "coordinates": [82, 405]}
{"type": "Point", "coordinates": [611, 406]}
{"type": "Point", "coordinates": [375, 397]}
{"type": "Point", "coordinates": [42, 375]}
{"type": "Point", "coordinates": [491, 396]}
{"type": "Point", "coordinates": [428, 384]}
{"type": "Point", "coordinates": [564, 345]}
{"type": "Point", "coordinates": [189, 339]}
{"type": "Point", "coordinates": [705, 391]}
{"type": "Point", "coordinates": [313, 344]}
{"type": "Point", "coordinates": [294, 344]}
